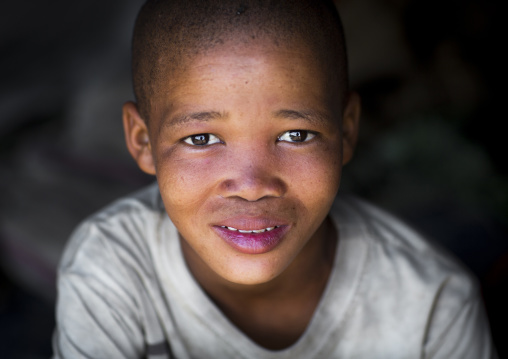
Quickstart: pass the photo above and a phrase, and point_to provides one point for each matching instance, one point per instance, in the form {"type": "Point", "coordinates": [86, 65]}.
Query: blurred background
{"type": "Point", "coordinates": [430, 150]}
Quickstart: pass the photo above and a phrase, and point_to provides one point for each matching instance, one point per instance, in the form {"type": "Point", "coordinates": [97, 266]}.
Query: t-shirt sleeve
{"type": "Point", "coordinates": [458, 329]}
{"type": "Point", "coordinates": [96, 307]}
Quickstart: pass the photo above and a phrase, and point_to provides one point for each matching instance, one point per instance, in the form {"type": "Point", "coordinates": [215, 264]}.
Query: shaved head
{"type": "Point", "coordinates": [169, 33]}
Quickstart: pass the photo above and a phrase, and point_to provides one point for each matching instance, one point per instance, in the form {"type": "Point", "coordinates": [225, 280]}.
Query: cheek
{"type": "Point", "coordinates": [185, 182]}
{"type": "Point", "coordinates": [315, 176]}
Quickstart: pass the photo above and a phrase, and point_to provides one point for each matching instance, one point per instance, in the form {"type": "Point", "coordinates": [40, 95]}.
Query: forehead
{"type": "Point", "coordinates": [258, 62]}
{"type": "Point", "coordinates": [260, 67]}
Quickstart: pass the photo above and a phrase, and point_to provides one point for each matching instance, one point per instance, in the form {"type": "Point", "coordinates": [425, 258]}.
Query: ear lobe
{"type": "Point", "coordinates": [137, 139]}
{"type": "Point", "coordinates": [350, 124]}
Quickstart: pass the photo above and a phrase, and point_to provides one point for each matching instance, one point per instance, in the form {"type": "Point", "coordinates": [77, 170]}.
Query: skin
{"type": "Point", "coordinates": [248, 97]}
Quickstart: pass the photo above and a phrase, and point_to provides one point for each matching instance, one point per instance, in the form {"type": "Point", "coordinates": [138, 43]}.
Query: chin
{"type": "Point", "coordinates": [250, 274]}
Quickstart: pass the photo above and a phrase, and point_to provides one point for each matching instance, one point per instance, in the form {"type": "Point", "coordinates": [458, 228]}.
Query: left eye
{"type": "Point", "coordinates": [296, 136]}
{"type": "Point", "coordinates": [202, 139]}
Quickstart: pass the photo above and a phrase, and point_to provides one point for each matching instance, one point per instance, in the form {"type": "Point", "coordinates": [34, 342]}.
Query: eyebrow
{"type": "Point", "coordinates": [312, 116]}
{"type": "Point", "coordinates": [196, 116]}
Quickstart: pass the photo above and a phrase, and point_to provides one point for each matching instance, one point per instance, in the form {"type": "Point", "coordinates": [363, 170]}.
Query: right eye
{"type": "Point", "coordinates": [202, 139]}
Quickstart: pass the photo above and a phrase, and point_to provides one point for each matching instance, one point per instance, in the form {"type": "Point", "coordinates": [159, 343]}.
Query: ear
{"type": "Point", "coordinates": [350, 124]}
{"type": "Point", "coordinates": [137, 139]}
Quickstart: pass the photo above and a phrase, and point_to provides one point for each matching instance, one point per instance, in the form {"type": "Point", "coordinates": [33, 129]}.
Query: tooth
{"type": "Point", "coordinates": [251, 231]}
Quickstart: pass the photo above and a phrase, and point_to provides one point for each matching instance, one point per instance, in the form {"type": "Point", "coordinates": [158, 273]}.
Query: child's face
{"type": "Point", "coordinates": [247, 138]}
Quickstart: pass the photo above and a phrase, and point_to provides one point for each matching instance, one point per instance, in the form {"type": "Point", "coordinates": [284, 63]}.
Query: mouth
{"type": "Point", "coordinates": [251, 231]}
{"type": "Point", "coordinates": [252, 240]}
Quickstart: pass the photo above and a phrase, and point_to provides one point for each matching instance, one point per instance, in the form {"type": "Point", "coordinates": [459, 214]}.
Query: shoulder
{"type": "Point", "coordinates": [121, 230]}
{"type": "Point", "coordinates": [412, 293]}
{"type": "Point", "coordinates": [105, 280]}
{"type": "Point", "coordinates": [396, 249]}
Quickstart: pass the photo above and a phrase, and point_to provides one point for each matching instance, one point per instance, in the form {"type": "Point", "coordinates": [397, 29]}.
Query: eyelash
{"type": "Point", "coordinates": [205, 138]}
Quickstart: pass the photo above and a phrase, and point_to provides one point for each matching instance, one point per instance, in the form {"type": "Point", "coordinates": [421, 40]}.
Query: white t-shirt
{"type": "Point", "coordinates": [124, 291]}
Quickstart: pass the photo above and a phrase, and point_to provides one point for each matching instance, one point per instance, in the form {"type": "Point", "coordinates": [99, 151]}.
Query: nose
{"type": "Point", "coordinates": [253, 176]}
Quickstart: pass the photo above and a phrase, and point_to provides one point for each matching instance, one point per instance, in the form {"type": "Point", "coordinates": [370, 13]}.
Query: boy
{"type": "Point", "coordinates": [243, 115]}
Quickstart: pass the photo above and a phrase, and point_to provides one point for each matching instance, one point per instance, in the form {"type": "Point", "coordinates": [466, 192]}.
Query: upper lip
{"type": "Point", "coordinates": [251, 223]}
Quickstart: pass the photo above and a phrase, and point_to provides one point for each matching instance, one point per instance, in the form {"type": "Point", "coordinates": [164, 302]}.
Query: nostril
{"type": "Point", "coordinates": [228, 185]}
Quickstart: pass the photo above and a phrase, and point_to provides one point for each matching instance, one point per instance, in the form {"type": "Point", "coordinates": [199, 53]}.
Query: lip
{"type": "Point", "coordinates": [252, 243]}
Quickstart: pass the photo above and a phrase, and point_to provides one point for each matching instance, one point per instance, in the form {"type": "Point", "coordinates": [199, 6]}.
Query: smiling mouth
{"type": "Point", "coordinates": [252, 241]}
{"type": "Point", "coordinates": [250, 231]}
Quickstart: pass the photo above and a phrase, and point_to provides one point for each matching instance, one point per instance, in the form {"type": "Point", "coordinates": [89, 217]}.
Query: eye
{"type": "Point", "coordinates": [296, 136]}
{"type": "Point", "coordinates": [202, 139]}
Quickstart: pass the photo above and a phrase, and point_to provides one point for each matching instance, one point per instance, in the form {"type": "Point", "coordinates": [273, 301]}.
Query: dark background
{"type": "Point", "coordinates": [430, 151]}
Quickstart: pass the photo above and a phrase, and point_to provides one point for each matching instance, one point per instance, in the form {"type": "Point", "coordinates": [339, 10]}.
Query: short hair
{"type": "Point", "coordinates": [169, 32]}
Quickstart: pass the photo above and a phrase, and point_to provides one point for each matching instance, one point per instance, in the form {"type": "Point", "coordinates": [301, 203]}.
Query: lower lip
{"type": "Point", "coordinates": [252, 243]}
